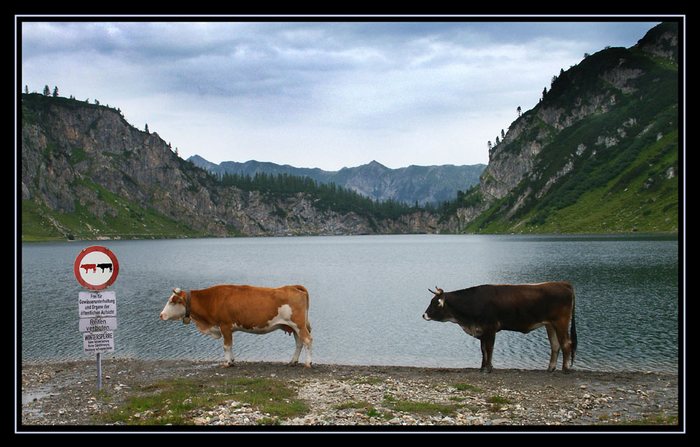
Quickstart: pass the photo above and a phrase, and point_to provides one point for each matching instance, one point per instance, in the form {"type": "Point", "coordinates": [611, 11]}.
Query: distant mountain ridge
{"type": "Point", "coordinates": [422, 184]}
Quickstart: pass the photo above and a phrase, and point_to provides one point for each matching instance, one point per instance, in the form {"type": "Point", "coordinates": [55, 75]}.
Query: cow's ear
{"type": "Point", "coordinates": [441, 302]}
{"type": "Point", "coordinates": [176, 290]}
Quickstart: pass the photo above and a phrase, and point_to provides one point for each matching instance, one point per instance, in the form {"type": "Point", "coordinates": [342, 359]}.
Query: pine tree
{"type": "Point", "coordinates": [146, 128]}
{"type": "Point", "coordinates": [47, 90]}
{"type": "Point", "coordinates": [55, 91]}
{"type": "Point", "coordinates": [503, 134]}
{"type": "Point", "coordinates": [489, 145]}
{"type": "Point", "coordinates": [520, 110]}
{"type": "Point", "coordinates": [497, 141]}
{"type": "Point", "coordinates": [26, 89]}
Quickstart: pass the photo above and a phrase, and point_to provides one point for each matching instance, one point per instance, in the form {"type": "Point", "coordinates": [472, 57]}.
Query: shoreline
{"type": "Point", "coordinates": [65, 394]}
{"type": "Point", "coordinates": [37, 239]}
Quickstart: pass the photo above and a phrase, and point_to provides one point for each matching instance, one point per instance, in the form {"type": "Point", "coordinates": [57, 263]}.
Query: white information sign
{"type": "Point", "coordinates": [97, 304]}
{"type": "Point", "coordinates": [96, 342]}
{"type": "Point", "coordinates": [98, 324]}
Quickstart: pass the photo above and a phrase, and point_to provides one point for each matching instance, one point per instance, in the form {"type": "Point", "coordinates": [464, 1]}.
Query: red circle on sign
{"type": "Point", "coordinates": [91, 279]}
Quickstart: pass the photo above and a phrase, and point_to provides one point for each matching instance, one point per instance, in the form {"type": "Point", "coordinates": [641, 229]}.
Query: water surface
{"type": "Point", "coordinates": [368, 294]}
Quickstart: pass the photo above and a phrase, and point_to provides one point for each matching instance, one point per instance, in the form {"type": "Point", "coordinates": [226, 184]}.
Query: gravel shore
{"type": "Point", "coordinates": [64, 394]}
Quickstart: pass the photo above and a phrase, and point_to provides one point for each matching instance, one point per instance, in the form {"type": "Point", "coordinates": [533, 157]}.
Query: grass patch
{"type": "Point", "coordinates": [430, 408]}
{"type": "Point", "coordinates": [497, 402]}
{"type": "Point", "coordinates": [175, 401]}
{"type": "Point", "coordinates": [374, 413]}
{"type": "Point", "coordinates": [268, 421]}
{"type": "Point", "coordinates": [467, 387]}
{"type": "Point", "coordinates": [369, 409]}
{"type": "Point", "coordinates": [77, 155]}
{"type": "Point", "coordinates": [496, 399]}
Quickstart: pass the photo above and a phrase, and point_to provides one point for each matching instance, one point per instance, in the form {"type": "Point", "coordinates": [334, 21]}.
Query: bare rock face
{"type": "Point", "coordinates": [661, 41]}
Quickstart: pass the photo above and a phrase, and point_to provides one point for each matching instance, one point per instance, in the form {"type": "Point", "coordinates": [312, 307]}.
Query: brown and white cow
{"type": "Point", "coordinates": [482, 311]}
{"type": "Point", "coordinates": [225, 309]}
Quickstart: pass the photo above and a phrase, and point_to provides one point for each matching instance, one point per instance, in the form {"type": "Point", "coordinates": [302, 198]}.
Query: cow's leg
{"type": "Point", "coordinates": [484, 355]}
{"type": "Point", "coordinates": [307, 340]}
{"type": "Point", "coordinates": [554, 343]}
{"type": "Point", "coordinates": [295, 357]}
{"type": "Point", "coordinates": [227, 332]}
{"type": "Point", "coordinates": [487, 341]}
{"type": "Point", "coordinates": [561, 327]}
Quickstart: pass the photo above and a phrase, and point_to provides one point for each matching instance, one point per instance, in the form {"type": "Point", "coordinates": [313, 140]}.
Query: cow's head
{"type": "Point", "coordinates": [175, 308]}
{"type": "Point", "coordinates": [436, 311]}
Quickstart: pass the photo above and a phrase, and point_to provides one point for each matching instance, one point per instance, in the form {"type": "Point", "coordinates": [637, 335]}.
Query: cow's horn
{"type": "Point", "coordinates": [439, 291]}
{"type": "Point", "coordinates": [177, 290]}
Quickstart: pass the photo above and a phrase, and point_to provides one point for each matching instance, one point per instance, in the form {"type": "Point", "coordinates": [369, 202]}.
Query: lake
{"type": "Point", "coordinates": [367, 297]}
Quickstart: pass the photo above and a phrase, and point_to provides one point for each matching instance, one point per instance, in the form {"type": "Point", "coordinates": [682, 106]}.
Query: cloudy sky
{"type": "Point", "coordinates": [322, 94]}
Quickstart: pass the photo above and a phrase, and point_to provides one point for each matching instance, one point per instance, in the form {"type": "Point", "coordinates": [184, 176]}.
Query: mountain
{"type": "Point", "coordinates": [599, 153]}
{"type": "Point", "coordinates": [86, 173]}
{"type": "Point", "coordinates": [422, 184]}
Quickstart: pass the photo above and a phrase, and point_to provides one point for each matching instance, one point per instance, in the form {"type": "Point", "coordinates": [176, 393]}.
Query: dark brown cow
{"type": "Point", "coordinates": [482, 311]}
{"type": "Point", "coordinates": [225, 309]}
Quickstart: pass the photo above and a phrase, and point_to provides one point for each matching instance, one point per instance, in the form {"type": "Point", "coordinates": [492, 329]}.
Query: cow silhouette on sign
{"type": "Point", "coordinates": [94, 267]}
{"type": "Point", "coordinates": [87, 267]}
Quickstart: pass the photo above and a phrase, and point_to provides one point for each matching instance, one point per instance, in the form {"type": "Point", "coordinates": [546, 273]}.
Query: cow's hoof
{"type": "Point", "coordinates": [486, 369]}
{"type": "Point", "coordinates": [227, 364]}
{"type": "Point", "coordinates": [568, 371]}
{"type": "Point", "coordinates": [307, 365]}
{"type": "Point", "coordinates": [551, 369]}
{"type": "Point", "coordinates": [292, 363]}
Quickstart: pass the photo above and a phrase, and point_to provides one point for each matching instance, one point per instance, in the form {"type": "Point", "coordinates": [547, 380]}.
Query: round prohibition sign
{"type": "Point", "coordinates": [96, 267]}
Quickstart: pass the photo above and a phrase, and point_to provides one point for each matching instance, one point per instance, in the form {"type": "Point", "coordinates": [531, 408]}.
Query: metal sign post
{"type": "Point", "coordinates": [97, 309]}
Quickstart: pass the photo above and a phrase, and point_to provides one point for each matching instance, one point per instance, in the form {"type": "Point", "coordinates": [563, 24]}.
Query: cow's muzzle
{"type": "Point", "coordinates": [426, 317]}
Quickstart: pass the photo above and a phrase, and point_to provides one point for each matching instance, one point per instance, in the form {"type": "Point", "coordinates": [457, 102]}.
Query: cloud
{"type": "Point", "coordinates": [295, 92]}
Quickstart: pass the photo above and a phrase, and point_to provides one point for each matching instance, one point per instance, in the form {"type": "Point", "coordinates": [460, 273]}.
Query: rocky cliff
{"type": "Point", "coordinates": [87, 173]}
{"type": "Point", "coordinates": [598, 153]}
{"type": "Point", "coordinates": [421, 184]}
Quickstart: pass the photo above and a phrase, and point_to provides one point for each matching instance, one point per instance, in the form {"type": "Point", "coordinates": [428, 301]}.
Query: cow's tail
{"type": "Point", "coordinates": [574, 339]}
{"type": "Point", "coordinates": [306, 296]}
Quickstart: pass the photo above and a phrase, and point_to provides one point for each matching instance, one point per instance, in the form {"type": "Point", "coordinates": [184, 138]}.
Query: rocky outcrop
{"type": "Point", "coordinates": [661, 41]}
{"type": "Point", "coordinates": [86, 160]}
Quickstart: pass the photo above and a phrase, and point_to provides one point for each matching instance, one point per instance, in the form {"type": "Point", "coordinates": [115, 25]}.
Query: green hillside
{"type": "Point", "coordinates": [616, 170]}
